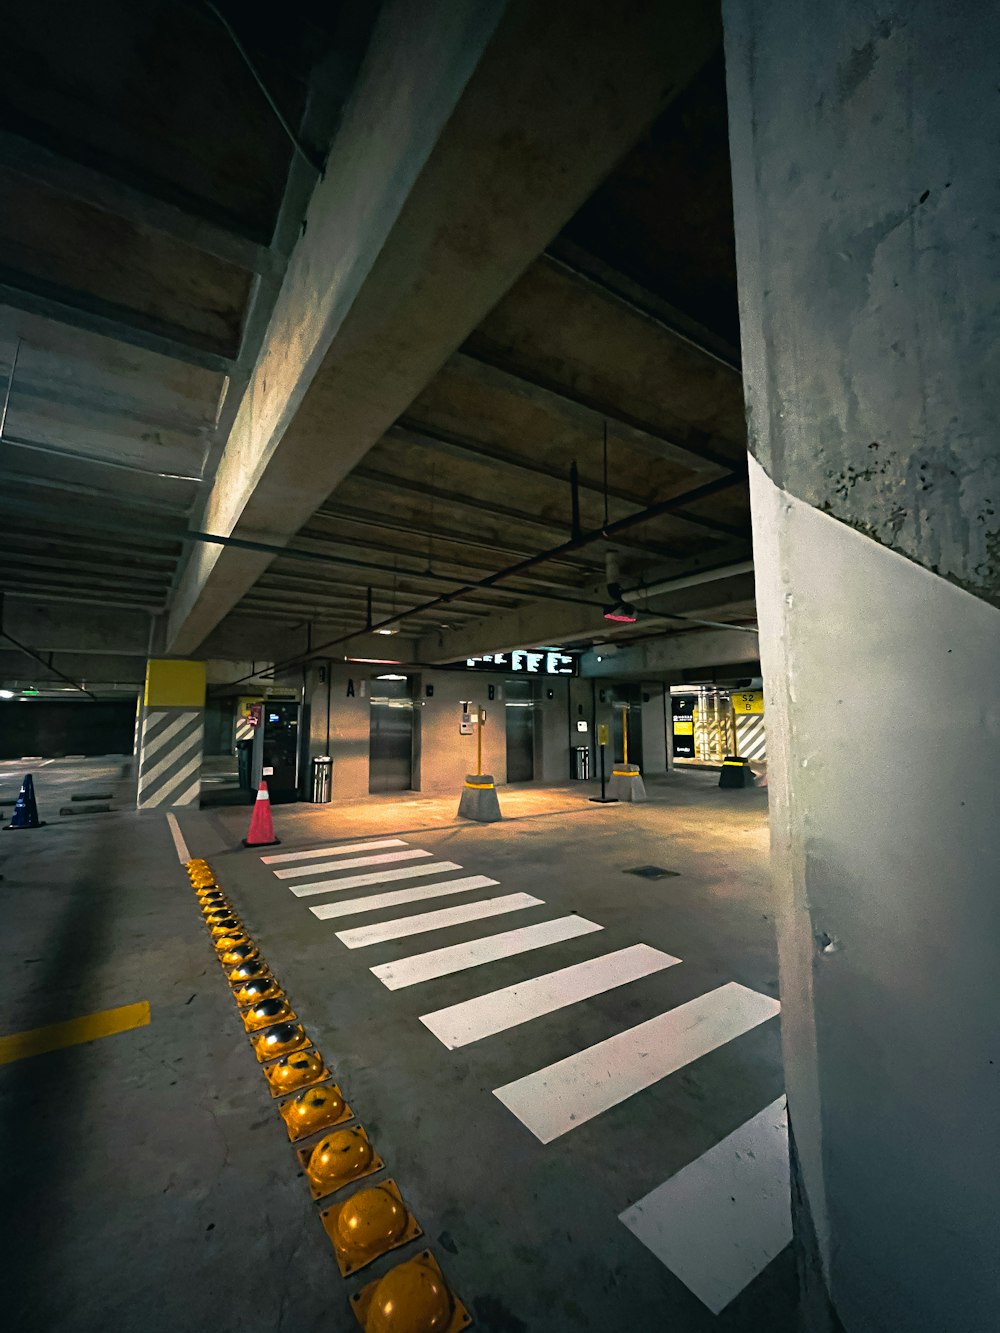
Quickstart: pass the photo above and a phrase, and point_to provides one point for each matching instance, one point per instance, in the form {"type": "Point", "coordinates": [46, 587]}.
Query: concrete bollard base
{"type": "Point", "coordinates": [626, 783]}
{"type": "Point", "coordinates": [479, 799]}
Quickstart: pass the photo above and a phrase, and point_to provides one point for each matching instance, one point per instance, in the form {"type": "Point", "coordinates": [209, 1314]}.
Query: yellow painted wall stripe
{"type": "Point", "coordinates": [75, 1031]}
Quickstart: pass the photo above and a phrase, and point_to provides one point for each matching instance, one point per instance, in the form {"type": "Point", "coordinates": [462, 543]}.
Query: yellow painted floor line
{"type": "Point", "coordinates": [38, 1041]}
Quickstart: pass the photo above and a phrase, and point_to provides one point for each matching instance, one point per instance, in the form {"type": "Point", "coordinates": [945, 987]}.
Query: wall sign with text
{"type": "Point", "coordinates": [525, 662]}
{"type": "Point", "coordinates": [748, 701]}
{"type": "Point", "coordinates": [682, 708]}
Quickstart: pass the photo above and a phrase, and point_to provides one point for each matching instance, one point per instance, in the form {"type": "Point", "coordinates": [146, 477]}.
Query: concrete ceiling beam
{"type": "Point", "coordinates": [448, 536]}
{"type": "Point", "coordinates": [534, 624]}
{"type": "Point", "coordinates": [661, 658]}
{"type": "Point", "coordinates": [111, 194]}
{"type": "Point", "coordinates": [67, 305]}
{"type": "Point", "coordinates": [458, 159]}
{"type": "Point", "coordinates": [52, 627]}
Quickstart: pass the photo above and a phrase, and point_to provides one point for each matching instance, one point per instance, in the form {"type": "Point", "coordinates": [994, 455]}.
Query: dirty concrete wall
{"type": "Point", "coordinates": [869, 283]}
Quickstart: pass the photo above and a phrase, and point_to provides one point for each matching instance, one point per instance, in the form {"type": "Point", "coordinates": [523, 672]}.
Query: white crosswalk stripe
{"type": "Point", "coordinates": [567, 1094]}
{"type": "Point", "coordinates": [498, 1010]}
{"type": "Point", "coordinates": [378, 859]}
{"type": "Point", "coordinates": [720, 1221]}
{"type": "Point", "coordinates": [362, 936]}
{"type": "Point", "coordinates": [345, 849]}
{"type": "Point", "coordinates": [327, 911]}
{"type": "Point", "coordinates": [459, 957]}
{"type": "Point", "coordinates": [376, 877]}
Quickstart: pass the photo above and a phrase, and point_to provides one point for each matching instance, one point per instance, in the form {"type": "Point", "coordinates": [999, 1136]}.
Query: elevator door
{"type": "Point", "coordinates": [519, 714]}
{"type": "Point", "coordinates": [390, 751]}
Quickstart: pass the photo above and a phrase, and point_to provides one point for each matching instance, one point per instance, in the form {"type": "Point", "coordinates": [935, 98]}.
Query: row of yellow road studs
{"type": "Point", "coordinates": [413, 1297]}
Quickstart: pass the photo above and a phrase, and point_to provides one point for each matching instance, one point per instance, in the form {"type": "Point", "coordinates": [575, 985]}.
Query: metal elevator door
{"type": "Point", "coordinates": [519, 713]}
{"type": "Point", "coordinates": [390, 748]}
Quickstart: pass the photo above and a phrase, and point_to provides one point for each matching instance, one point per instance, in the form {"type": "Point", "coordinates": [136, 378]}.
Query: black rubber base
{"type": "Point", "coordinates": [273, 843]}
{"type": "Point", "coordinates": [604, 800]}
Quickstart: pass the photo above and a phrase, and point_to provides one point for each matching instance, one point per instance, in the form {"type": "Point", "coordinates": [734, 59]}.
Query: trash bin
{"type": "Point", "coordinates": [322, 773]}
{"type": "Point", "coordinates": [244, 751]}
{"type": "Point", "coordinates": [581, 762]}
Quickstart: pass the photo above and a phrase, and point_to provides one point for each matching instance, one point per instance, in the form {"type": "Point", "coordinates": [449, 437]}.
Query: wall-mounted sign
{"type": "Point", "coordinates": [748, 701]}
{"type": "Point", "coordinates": [255, 715]}
{"type": "Point", "coordinates": [602, 733]}
{"type": "Point", "coordinates": [682, 708]}
{"type": "Point", "coordinates": [525, 662]}
{"type": "Point", "coordinates": [581, 724]}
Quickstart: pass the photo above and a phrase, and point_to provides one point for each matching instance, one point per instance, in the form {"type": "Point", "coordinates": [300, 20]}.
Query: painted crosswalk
{"type": "Point", "coordinates": [474, 953]}
{"type": "Point", "coordinates": [403, 926]}
{"type": "Point", "coordinates": [565, 1095]}
{"type": "Point", "coordinates": [379, 901]}
{"type": "Point", "coordinates": [355, 862]}
{"type": "Point", "coordinates": [375, 877]}
{"type": "Point", "coordinates": [715, 1224]}
{"type": "Point", "coordinates": [281, 858]}
{"type": "Point", "coordinates": [720, 1221]}
{"type": "Point", "coordinates": [498, 1010]}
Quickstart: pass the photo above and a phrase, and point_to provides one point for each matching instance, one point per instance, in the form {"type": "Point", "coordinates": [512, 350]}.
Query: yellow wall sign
{"type": "Point", "coordinates": [748, 701]}
{"type": "Point", "coordinates": [602, 733]}
{"type": "Point", "coordinates": [683, 728]}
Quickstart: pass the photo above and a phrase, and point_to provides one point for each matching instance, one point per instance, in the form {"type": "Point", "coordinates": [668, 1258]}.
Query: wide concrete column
{"type": "Point", "coordinates": [865, 201]}
{"type": "Point", "coordinates": [171, 735]}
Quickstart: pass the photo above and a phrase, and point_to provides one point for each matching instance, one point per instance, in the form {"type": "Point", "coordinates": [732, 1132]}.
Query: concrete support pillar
{"type": "Point", "coordinates": [171, 734]}
{"type": "Point", "coordinates": [865, 201]}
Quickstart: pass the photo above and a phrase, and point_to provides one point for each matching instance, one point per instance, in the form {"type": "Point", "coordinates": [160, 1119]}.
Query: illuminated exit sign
{"type": "Point", "coordinates": [525, 662]}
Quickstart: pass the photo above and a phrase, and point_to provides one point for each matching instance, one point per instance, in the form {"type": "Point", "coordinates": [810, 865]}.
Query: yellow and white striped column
{"type": "Point", "coordinates": [172, 736]}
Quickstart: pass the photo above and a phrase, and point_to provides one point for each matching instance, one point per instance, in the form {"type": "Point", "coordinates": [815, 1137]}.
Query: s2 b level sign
{"type": "Point", "coordinates": [748, 701]}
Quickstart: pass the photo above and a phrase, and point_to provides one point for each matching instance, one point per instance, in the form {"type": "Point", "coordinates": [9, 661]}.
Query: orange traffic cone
{"type": "Point", "coordinates": [261, 824]}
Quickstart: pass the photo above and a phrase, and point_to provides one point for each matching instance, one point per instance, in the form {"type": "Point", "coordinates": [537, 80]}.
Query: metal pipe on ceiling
{"type": "Point", "coordinates": [606, 533]}
{"type": "Point", "coordinates": [689, 580]}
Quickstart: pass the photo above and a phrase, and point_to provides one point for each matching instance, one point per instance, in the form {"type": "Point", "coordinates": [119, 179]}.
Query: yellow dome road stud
{"type": "Point", "coordinates": [218, 913]}
{"type": "Point", "coordinates": [267, 1012]}
{"type": "Point", "coordinates": [252, 992]}
{"type": "Point", "coordinates": [218, 904]}
{"type": "Point", "coordinates": [293, 1072]}
{"type": "Point", "coordinates": [226, 925]}
{"type": "Point", "coordinates": [243, 953]}
{"type": "Point", "coordinates": [249, 970]}
{"type": "Point", "coordinates": [369, 1224]}
{"type": "Point", "coordinates": [313, 1110]}
{"type": "Point", "coordinates": [281, 1039]}
{"type": "Point", "coordinates": [227, 943]}
{"type": "Point", "coordinates": [229, 925]}
{"type": "Point", "coordinates": [413, 1297]}
{"type": "Point", "coordinates": [338, 1159]}
{"type": "Point", "coordinates": [204, 879]}
{"type": "Point", "coordinates": [208, 897]}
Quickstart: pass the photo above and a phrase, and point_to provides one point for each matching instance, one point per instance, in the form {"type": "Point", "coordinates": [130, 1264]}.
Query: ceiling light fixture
{"type": "Point", "coordinates": [387, 631]}
{"type": "Point", "coordinates": [620, 611]}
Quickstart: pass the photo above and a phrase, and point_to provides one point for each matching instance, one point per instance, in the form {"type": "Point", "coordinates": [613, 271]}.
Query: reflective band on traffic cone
{"type": "Point", "coordinates": [261, 824]}
{"type": "Point", "coordinates": [25, 813]}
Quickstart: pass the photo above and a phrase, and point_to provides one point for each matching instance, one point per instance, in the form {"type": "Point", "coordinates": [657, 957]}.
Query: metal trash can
{"type": "Point", "coordinates": [581, 762]}
{"type": "Point", "coordinates": [322, 774]}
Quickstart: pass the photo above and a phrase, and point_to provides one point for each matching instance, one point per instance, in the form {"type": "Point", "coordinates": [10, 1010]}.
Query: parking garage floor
{"type": "Point", "coordinates": [571, 1071]}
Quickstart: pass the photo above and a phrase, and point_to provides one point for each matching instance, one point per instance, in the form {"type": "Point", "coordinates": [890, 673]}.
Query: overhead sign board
{"type": "Point", "coordinates": [525, 662]}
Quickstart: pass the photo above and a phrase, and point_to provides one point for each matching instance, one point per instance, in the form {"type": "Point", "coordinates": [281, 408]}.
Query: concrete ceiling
{"type": "Point", "coordinates": [381, 377]}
